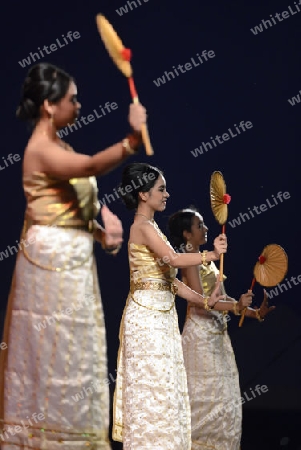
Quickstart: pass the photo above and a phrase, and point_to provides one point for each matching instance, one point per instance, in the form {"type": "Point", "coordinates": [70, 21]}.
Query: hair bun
{"type": "Point", "coordinates": [27, 110]}
{"type": "Point", "coordinates": [43, 81]}
{"type": "Point", "coordinates": [130, 199]}
{"type": "Point", "coordinates": [137, 177]}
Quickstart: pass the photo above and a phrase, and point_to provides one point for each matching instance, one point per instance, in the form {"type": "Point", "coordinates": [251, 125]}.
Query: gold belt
{"type": "Point", "coordinates": [154, 286]}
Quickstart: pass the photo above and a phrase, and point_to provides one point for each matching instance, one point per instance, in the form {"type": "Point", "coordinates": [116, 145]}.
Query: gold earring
{"type": "Point", "coordinates": [188, 246]}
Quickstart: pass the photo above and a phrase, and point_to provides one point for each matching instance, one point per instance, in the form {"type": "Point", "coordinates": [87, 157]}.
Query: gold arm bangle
{"type": "Point", "coordinates": [258, 316]}
{"type": "Point", "coordinates": [235, 309]}
{"type": "Point", "coordinates": [204, 261]}
{"type": "Point", "coordinates": [127, 149]}
{"type": "Point", "coordinates": [206, 306]}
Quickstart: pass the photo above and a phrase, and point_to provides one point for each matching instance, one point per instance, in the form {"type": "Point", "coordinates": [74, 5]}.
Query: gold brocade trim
{"type": "Point", "coordinates": [36, 429]}
{"type": "Point", "coordinates": [154, 286]}
{"type": "Point", "coordinates": [204, 445]}
{"type": "Point", "coordinates": [89, 228]}
{"type": "Point", "coordinates": [154, 309]}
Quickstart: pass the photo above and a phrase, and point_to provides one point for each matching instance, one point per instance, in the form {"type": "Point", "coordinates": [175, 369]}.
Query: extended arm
{"type": "Point", "coordinates": [150, 237]}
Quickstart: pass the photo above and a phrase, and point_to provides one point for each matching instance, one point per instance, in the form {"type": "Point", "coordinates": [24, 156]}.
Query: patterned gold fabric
{"type": "Point", "coordinates": [151, 405]}
{"type": "Point", "coordinates": [68, 203]}
{"type": "Point", "coordinates": [54, 391]}
{"type": "Point", "coordinates": [213, 381]}
{"type": "Point", "coordinates": [145, 264]}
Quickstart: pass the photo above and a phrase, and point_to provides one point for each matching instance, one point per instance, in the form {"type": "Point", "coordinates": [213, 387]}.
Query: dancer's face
{"type": "Point", "coordinates": [198, 232]}
{"type": "Point", "coordinates": [67, 109]}
{"type": "Point", "coordinates": [157, 196]}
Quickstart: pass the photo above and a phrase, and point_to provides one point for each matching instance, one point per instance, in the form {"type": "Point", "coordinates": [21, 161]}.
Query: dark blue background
{"type": "Point", "coordinates": [251, 78]}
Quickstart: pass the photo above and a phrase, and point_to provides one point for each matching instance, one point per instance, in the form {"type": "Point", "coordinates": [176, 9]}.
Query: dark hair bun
{"type": "Point", "coordinates": [43, 81]}
{"type": "Point", "coordinates": [27, 109]}
{"type": "Point", "coordinates": [137, 177]}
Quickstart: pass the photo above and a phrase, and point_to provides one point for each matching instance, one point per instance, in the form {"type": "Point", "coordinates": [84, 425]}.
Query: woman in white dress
{"type": "Point", "coordinates": [213, 380]}
{"type": "Point", "coordinates": [54, 328]}
{"type": "Point", "coordinates": [151, 404]}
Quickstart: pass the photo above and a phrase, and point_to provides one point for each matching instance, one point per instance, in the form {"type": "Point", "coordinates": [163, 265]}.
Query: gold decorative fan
{"type": "Point", "coordinates": [219, 204]}
{"type": "Point", "coordinates": [269, 270]}
{"type": "Point", "coordinates": [121, 57]}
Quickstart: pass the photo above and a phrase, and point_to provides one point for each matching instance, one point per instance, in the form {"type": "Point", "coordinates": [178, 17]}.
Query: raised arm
{"type": "Point", "coordinates": [52, 159]}
{"type": "Point", "coordinates": [57, 162]}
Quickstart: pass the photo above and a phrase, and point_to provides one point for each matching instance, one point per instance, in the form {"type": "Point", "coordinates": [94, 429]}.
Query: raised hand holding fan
{"type": "Point", "coordinates": [121, 57]}
{"type": "Point", "coordinates": [219, 204]}
{"type": "Point", "coordinates": [269, 270]}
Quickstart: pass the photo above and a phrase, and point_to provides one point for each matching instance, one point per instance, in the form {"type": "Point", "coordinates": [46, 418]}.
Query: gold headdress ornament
{"type": "Point", "coordinates": [219, 205]}
{"type": "Point", "coordinates": [269, 270]}
{"type": "Point", "coordinates": [121, 57]}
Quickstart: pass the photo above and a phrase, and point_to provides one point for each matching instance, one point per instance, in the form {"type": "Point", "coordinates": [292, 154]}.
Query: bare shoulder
{"type": "Point", "coordinates": [138, 231]}
{"type": "Point", "coordinates": [55, 158]}
{"type": "Point", "coordinates": [32, 154]}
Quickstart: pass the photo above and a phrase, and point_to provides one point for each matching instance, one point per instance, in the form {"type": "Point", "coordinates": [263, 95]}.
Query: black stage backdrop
{"type": "Point", "coordinates": [249, 75]}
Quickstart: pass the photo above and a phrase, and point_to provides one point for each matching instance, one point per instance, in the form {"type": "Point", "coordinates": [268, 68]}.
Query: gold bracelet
{"type": "Point", "coordinates": [128, 150]}
{"type": "Point", "coordinates": [235, 309]}
{"type": "Point", "coordinates": [206, 306]}
{"type": "Point", "coordinates": [204, 254]}
{"type": "Point", "coordinates": [257, 312]}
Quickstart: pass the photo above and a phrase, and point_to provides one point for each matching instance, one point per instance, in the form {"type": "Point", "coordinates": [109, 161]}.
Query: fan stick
{"type": "Point", "coordinates": [144, 130]}
{"type": "Point", "coordinates": [221, 261]}
{"type": "Point", "coordinates": [245, 309]}
{"type": "Point", "coordinates": [121, 57]}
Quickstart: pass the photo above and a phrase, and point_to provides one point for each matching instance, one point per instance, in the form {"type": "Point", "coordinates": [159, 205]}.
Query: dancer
{"type": "Point", "coordinates": [54, 329]}
{"type": "Point", "coordinates": [213, 381]}
{"type": "Point", "coordinates": [151, 405]}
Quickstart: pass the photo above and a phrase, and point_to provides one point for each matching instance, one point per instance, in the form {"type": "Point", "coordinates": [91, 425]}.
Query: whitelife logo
{"type": "Point", "coordinates": [242, 127]}
{"type": "Point", "coordinates": [90, 118]}
{"type": "Point", "coordinates": [53, 48]}
{"type": "Point", "coordinates": [285, 15]}
{"type": "Point", "coordinates": [259, 209]}
{"type": "Point", "coordinates": [183, 68]}
{"type": "Point", "coordinates": [11, 158]}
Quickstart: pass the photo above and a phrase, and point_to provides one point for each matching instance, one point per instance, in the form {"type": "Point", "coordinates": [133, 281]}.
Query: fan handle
{"type": "Point", "coordinates": [245, 309]}
{"type": "Point", "coordinates": [221, 261]}
{"type": "Point", "coordinates": [144, 130]}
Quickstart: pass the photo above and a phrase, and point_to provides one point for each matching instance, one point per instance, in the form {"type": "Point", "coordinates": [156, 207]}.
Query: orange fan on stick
{"type": "Point", "coordinates": [122, 57]}
{"type": "Point", "coordinates": [219, 205]}
{"type": "Point", "coordinates": [269, 270]}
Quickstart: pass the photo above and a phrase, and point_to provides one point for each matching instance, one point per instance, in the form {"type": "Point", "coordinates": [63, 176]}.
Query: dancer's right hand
{"type": "Point", "coordinates": [216, 294]}
{"type": "Point", "coordinates": [220, 245]}
{"type": "Point", "coordinates": [245, 300]}
{"type": "Point", "coordinates": [137, 116]}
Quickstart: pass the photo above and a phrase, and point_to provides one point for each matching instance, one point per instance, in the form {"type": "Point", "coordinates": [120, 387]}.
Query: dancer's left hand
{"type": "Point", "coordinates": [113, 228]}
{"type": "Point", "coordinates": [264, 307]}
